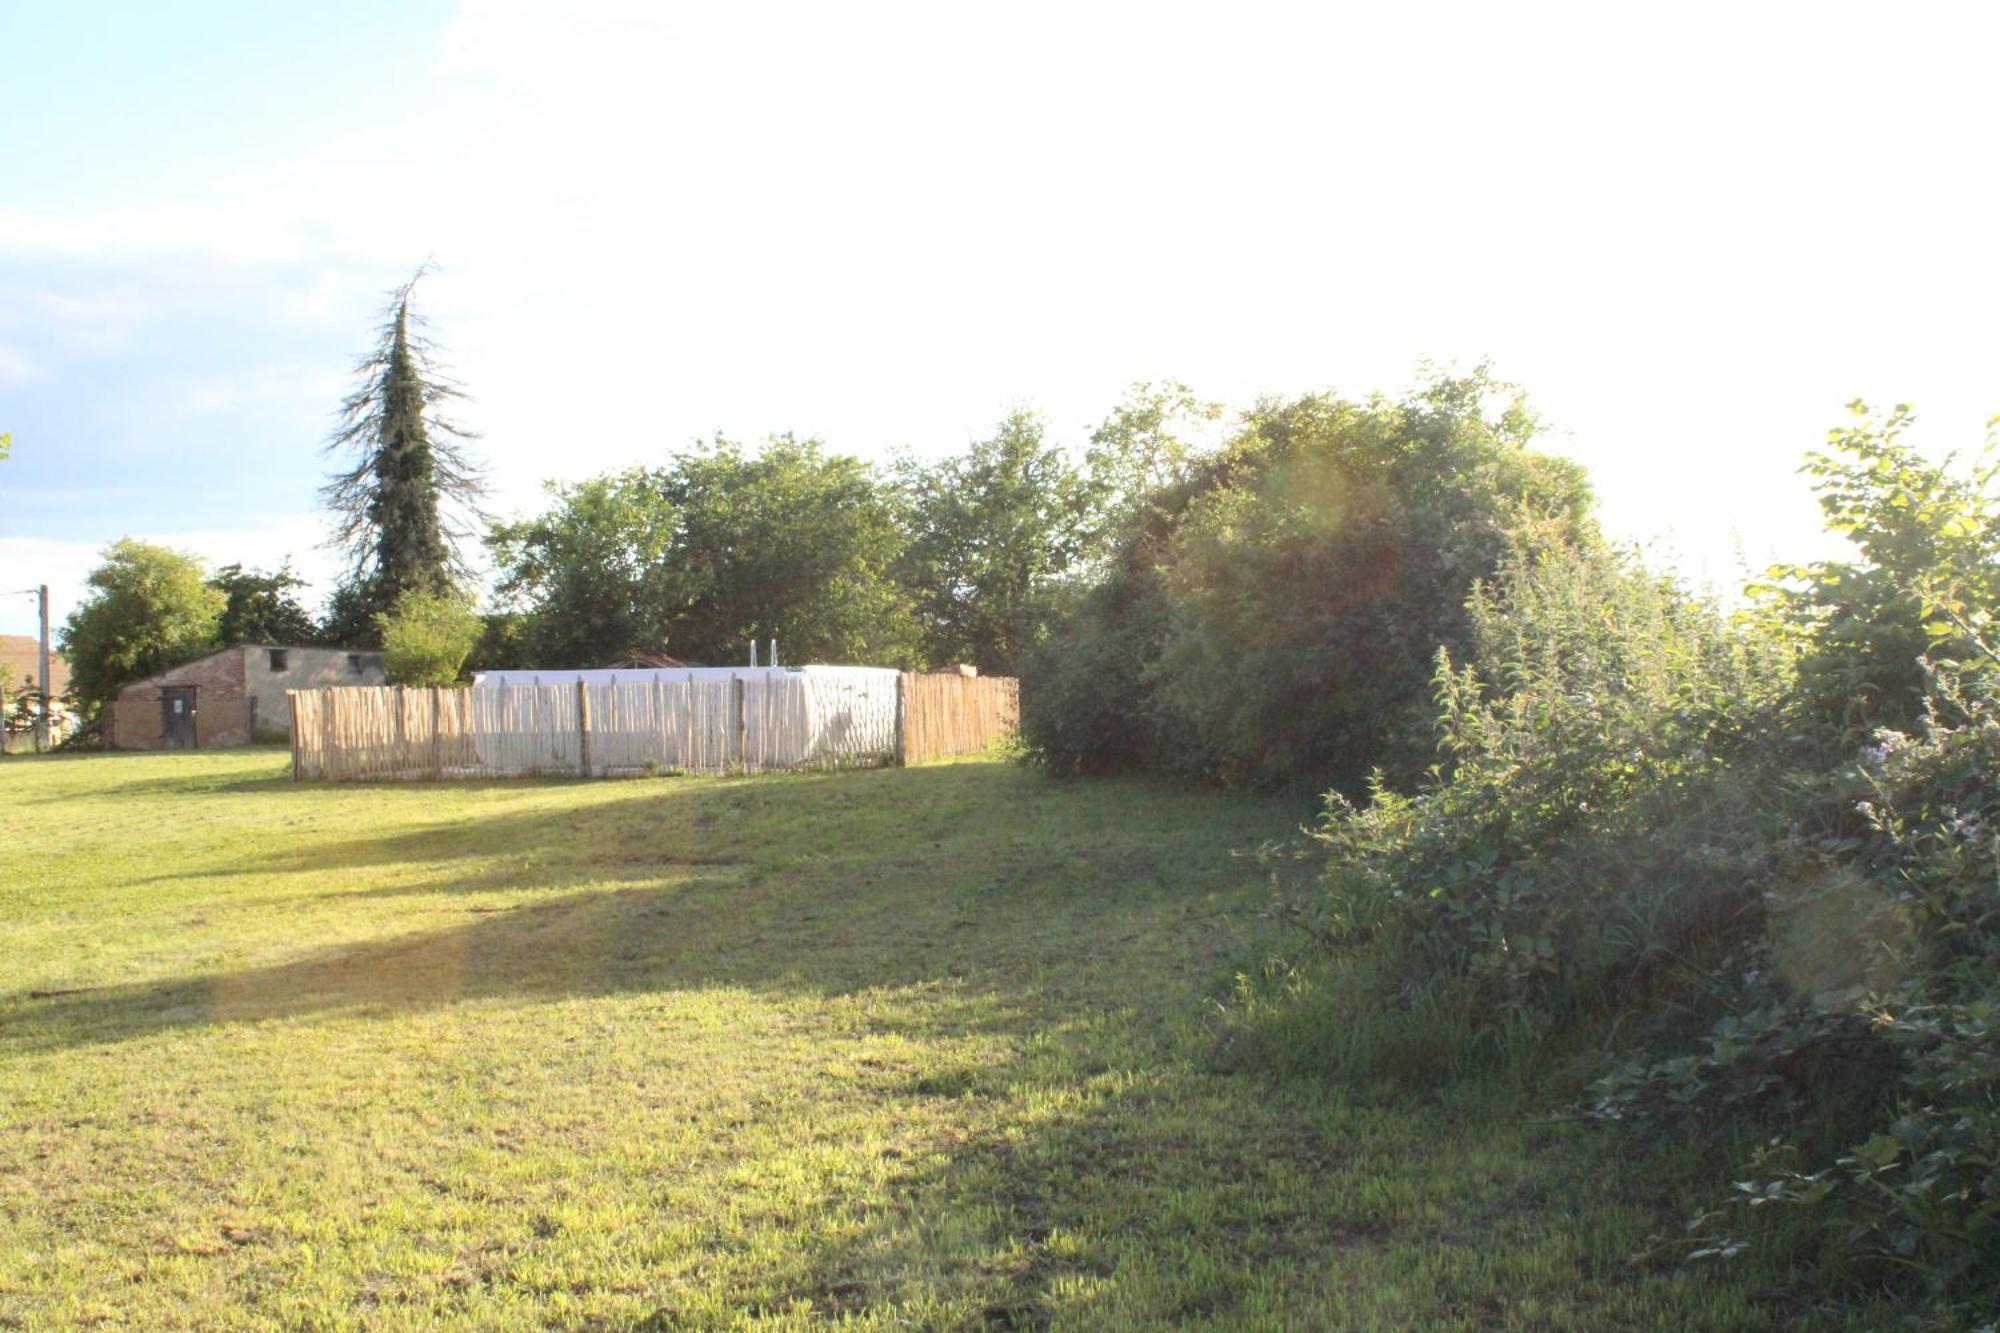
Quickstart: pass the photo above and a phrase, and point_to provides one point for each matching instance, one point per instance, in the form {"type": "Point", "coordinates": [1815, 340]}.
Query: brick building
{"type": "Point", "coordinates": [230, 697]}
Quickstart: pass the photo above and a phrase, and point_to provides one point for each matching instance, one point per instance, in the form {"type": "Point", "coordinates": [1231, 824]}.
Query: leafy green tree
{"type": "Point", "coordinates": [1143, 448]}
{"type": "Point", "coordinates": [785, 541]}
{"type": "Point", "coordinates": [1272, 616]}
{"type": "Point", "coordinates": [502, 644]}
{"type": "Point", "coordinates": [262, 608]}
{"type": "Point", "coordinates": [723, 545]}
{"type": "Point", "coordinates": [149, 608]}
{"type": "Point", "coordinates": [996, 533]}
{"type": "Point", "coordinates": [596, 570]}
{"type": "Point", "coordinates": [403, 500]}
{"type": "Point", "coordinates": [427, 638]}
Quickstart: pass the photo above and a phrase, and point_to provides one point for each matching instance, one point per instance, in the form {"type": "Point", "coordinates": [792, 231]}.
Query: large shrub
{"type": "Point", "coordinates": [1864, 1023]}
{"type": "Point", "coordinates": [1272, 616]}
{"type": "Point", "coordinates": [1528, 879]}
{"type": "Point", "coordinates": [427, 638]}
{"type": "Point", "coordinates": [1659, 846]}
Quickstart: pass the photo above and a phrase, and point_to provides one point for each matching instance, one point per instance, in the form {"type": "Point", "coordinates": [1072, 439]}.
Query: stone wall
{"type": "Point", "coordinates": [239, 694]}
{"type": "Point", "coordinates": [304, 669]}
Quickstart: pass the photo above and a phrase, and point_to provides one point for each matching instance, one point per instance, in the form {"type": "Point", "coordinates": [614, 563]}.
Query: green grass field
{"type": "Point", "coordinates": [926, 1048]}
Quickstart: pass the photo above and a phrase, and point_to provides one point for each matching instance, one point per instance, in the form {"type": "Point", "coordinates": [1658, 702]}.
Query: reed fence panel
{"type": "Point", "coordinates": [946, 713]}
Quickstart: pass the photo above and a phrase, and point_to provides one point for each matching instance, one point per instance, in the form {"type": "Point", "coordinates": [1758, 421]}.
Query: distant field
{"type": "Point", "coordinates": [908, 1048]}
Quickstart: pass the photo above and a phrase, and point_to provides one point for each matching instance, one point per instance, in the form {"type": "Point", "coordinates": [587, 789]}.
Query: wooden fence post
{"type": "Point", "coordinates": [659, 746]}
{"type": "Point", "coordinates": [902, 719]}
{"type": "Point", "coordinates": [437, 734]}
{"type": "Point", "coordinates": [582, 727]}
{"type": "Point", "coordinates": [688, 742]}
{"type": "Point", "coordinates": [741, 723]}
{"type": "Point", "coordinates": [399, 736]}
{"type": "Point", "coordinates": [328, 731]}
{"type": "Point", "coordinates": [292, 698]}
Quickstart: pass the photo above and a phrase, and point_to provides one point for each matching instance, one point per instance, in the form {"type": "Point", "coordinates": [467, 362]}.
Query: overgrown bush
{"type": "Point", "coordinates": [1601, 709]}
{"type": "Point", "coordinates": [1665, 844]}
{"type": "Point", "coordinates": [1272, 616]}
{"type": "Point", "coordinates": [1925, 584]}
{"type": "Point", "coordinates": [426, 640]}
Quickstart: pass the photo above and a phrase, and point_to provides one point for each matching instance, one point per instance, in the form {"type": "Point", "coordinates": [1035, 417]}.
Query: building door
{"type": "Point", "coordinates": [177, 717]}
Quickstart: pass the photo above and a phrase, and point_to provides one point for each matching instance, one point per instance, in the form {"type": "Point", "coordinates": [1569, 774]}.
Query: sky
{"type": "Point", "coordinates": [1690, 233]}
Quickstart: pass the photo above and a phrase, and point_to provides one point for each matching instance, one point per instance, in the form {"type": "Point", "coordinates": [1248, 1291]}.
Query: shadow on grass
{"type": "Point", "coordinates": [132, 773]}
{"type": "Point", "coordinates": [631, 823]}
{"type": "Point", "coordinates": [825, 883]}
{"type": "Point", "coordinates": [552, 836]}
{"type": "Point", "coordinates": [1099, 1176]}
{"type": "Point", "coordinates": [1115, 1183]}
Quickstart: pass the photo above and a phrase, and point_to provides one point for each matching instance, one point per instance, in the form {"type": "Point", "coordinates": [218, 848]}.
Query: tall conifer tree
{"type": "Point", "coordinates": [402, 502]}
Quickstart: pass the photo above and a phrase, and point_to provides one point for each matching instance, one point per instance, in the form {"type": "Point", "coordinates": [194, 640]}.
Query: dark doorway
{"type": "Point", "coordinates": [177, 716]}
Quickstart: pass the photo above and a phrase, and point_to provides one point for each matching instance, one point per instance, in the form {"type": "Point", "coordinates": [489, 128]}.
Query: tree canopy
{"type": "Point", "coordinates": [995, 533]}
{"type": "Point", "coordinates": [149, 608]}
{"type": "Point", "coordinates": [593, 572]}
{"type": "Point", "coordinates": [1141, 449]}
{"type": "Point", "coordinates": [722, 545]}
{"type": "Point", "coordinates": [262, 608]}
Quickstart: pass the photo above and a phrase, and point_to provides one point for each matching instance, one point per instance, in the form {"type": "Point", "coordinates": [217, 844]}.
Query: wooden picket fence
{"type": "Point", "coordinates": [754, 724]}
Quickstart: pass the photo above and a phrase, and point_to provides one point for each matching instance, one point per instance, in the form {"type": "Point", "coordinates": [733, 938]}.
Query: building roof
{"type": "Point", "coordinates": [20, 653]}
{"type": "Point", "coordinates": [163, 673]}
{"type": "Point", "coordinates": [637, 661]}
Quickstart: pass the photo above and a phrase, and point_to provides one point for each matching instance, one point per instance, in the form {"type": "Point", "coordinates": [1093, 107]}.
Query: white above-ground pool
{"type": "Point", "coordinates": [688, 717]}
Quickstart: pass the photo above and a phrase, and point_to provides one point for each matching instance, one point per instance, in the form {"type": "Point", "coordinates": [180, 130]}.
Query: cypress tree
{"type": "Point", "coordinates": [402, 503]}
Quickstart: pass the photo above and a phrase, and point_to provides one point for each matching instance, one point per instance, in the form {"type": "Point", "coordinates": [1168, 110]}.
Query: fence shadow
{"type": "Point", "coordinates": [123, 774]}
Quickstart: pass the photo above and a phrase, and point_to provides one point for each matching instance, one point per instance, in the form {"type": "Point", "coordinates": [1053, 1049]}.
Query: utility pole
{"type": "Point", "coordinates": [41, 592]}
{"type": "Point", "coordinates": [42, 722]}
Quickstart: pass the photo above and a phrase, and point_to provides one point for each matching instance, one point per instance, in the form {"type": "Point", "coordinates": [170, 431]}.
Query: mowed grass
{"type": "Point", "coordinates": [925, 1048]}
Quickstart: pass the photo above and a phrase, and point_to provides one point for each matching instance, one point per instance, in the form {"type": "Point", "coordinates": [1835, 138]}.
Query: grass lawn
{"type": "Point", "coordinates": [920, 1048]}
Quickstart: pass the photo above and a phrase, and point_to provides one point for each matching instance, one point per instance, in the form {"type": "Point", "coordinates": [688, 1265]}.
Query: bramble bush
{"type": "Point", "coordinates": [1735, 876]}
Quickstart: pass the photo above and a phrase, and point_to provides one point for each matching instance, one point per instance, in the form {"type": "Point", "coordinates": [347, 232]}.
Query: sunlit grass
{"type": "Point", "coordinates": [918, 1048]}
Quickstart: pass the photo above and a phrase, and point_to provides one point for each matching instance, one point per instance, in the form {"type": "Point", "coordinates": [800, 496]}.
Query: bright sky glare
{"type": "Point", "coordinates": [1691, 232]}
